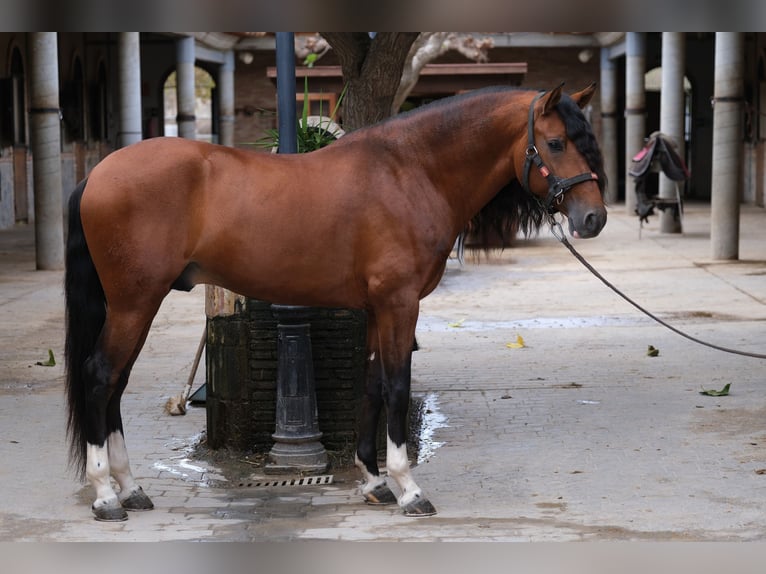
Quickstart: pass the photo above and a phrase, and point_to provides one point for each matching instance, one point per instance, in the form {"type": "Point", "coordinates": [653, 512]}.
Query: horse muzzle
{"type": "Point", "coordinates": [586, 223]}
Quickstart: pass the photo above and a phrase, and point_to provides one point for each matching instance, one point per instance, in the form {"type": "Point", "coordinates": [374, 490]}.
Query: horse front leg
{"type": "Point", "coordinates": [108, 370]}
{"type": "Point", "coordinates": [374, 488]}
{"type": "Point", "coordinates": [396, 334]}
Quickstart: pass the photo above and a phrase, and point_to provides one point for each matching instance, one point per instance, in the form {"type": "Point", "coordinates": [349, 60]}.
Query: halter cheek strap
{"type": "Point", "coordinates": [557, 186]}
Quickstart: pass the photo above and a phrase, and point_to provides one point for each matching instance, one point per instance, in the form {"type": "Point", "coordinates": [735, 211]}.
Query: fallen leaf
{"type": "Point", "coordinates": [761, 471]}
{"type": "Point", "coordinates": [652, 351]}
{"type": "Point", "coordinates": [713, 393]}
{"type": "Point", "coordinates": [519, 344]}
{"type": "Point", "coordinates": [51, 362]}
{"type": "Point", "coordinates": [456, 324]}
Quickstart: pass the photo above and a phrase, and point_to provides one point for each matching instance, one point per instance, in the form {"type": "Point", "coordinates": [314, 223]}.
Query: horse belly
{"type": "Point", "coordinates": [285, 268]}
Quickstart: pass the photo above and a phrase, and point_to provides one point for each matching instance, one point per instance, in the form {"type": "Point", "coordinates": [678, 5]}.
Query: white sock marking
{"type": "Point", "coordinates": [120, 465]}
{"type": "Point", "coordinates": [399, 470]}
{"type": "Point", "coordinates": [97, 471]}
{"type": "Point", "coordinates": [371, 482]}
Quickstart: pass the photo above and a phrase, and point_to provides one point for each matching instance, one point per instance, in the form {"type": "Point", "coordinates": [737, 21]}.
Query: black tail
{"type": "Point", "coordinates": [85, 316]}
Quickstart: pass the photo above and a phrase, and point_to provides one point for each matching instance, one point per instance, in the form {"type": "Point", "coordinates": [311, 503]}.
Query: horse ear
{"type": "Point", "coordinates": [582, 97]}
{"type": "Point", "coordinates": [552, 98]}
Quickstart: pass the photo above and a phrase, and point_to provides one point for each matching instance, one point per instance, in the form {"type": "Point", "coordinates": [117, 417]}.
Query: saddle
{"type": "Point", "coordinates": [660, 154]}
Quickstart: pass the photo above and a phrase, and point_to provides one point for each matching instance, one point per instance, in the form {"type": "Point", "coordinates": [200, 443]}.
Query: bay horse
{"type": "Point", "coordinates": [367, 222]}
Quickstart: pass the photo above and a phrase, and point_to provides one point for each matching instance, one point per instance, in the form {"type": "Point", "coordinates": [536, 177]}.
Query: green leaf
{"type": "Point", "coordinates": [456, 324]}
{"type": "Point", "coordinates": [652, 351]}
{"type": "Point", "coordinates": [51, 362]}
{"type": "Point", "coordinates": [713, 393]}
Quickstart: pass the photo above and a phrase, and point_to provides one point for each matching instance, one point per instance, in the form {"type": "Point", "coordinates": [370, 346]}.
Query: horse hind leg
{"type": "Point", "coordinates": [106, 507]}
{"type": "Point", "coordinates": [374, 488]}
{"type": "Point", "coordinates": [131, 495]}
{"type": "Point", "coordinates": [108, 369]}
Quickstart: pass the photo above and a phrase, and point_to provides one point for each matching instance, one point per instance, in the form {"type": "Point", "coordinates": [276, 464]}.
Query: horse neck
{"type": "Point", "coordinates": [467, 150]}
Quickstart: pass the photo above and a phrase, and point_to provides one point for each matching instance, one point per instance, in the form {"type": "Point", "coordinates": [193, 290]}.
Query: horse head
{"type": "Point", "coordinates": [568, 175]}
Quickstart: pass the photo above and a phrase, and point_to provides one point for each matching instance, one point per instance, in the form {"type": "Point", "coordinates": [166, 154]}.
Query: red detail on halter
{"type": "Point", "coordinates": [544, 171]}
{"type": "Point", "coordinates": [594, 176]}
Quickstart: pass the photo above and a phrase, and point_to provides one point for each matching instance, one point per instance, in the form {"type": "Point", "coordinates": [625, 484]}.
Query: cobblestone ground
{"type": "Point", "coordinates": [579, 435]}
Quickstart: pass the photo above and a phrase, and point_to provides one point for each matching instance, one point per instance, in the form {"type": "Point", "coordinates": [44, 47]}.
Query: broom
{"type": "Point", "coordinates": [177, 405]}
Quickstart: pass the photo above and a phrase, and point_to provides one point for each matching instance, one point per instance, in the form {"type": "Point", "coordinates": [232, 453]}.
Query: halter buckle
{"type": "Point", "coordinates": [532, 150]}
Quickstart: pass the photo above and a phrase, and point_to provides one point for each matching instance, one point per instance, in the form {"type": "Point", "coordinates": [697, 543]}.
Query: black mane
{"type": "Point", "coordinates": [513, 209]}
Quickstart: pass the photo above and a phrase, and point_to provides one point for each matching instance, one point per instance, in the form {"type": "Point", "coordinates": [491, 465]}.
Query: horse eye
{"type": "Point", "coordinates": [556, 145]}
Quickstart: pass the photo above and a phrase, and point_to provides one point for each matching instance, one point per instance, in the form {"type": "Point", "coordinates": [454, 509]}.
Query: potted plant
{"type": "Point", "coordinates": [313, 131]}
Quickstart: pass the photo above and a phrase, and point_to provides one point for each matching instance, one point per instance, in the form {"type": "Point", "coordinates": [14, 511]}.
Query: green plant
{"type": "Point", "coordinates": [311, 135]}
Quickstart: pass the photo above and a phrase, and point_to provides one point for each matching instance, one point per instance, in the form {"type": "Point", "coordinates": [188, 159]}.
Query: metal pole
{"type": "Point", "coordinates": [286, 120]}
{"type": "Point", "coordinates": [296, 438]}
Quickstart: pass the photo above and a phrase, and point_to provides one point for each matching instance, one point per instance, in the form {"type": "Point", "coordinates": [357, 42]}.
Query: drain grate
{"type": "Point", "coordinates": [303, 481]}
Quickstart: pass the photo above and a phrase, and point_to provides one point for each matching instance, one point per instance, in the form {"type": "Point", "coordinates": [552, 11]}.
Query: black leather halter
{"type": "Point", "coordinates": [557, 186]}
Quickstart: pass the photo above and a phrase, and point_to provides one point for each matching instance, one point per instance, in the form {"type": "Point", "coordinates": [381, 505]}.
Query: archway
{"type": "Point", "coordinates": [204, 90]}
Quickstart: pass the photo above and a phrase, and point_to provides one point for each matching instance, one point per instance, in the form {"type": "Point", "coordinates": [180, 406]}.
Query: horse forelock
{"type": "Point", "coordinates": [580, 132]}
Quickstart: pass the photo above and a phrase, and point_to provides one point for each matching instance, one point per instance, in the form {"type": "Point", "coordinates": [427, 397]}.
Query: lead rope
{"type": "Point", "coordinates": [558, 233]}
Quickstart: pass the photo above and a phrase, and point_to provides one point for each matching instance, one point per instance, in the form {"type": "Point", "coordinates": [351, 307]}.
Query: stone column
{"type": "Point", "coordinates": [672, 100]}
{"type": "Point", "coordinates": [129, 71]}
{"type": "Point", "coordinates": [608, 141]}
{"type": "Point", "coordinates": [226, 100]}
{"type": "Point", "coordinates": [726, 178]}
{"type": "Point", "coordinates": [45, 137]}
{"type": "Point", "coordinates": [635, 108]}
{"type": "Point", "coordinates": [186, 120]}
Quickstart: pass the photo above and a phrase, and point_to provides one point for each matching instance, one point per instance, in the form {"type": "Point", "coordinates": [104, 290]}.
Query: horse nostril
{"type": "Point", "coordinates": [594, 221]}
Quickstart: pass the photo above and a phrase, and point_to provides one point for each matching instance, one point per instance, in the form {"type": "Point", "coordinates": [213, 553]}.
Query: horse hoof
{"type": "Point", "coordinates": [137, 501]}
{"type": "Point", "coordinates": [110, 513]}
{"type": "Point", "coordinates": [419, 507]}
{"type": "Point", "coordinates": [380, 496]}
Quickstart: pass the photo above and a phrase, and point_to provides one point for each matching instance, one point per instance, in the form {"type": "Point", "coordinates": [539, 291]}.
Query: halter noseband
{"type": "Point", "coordinates": [557, 186]}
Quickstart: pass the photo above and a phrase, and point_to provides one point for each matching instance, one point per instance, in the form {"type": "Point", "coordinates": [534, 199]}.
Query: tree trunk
{"type": "Point", "coordinates": [372, 69]}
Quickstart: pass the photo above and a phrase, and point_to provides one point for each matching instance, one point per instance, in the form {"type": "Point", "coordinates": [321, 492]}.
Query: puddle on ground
{"type": "Point", "coordinates": [185, 467]}
{"type": "Point", "coordinates": [432, 419]}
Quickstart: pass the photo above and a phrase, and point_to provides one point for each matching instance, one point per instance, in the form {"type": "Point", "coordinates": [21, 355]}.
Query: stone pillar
{"type": "Point", "coordinates": [226, 100]}
{"type": "Point", "coordinates": [635, 108]}
{"type": "Point", "coordinates": [45, 137]}
{"type": "Point", "coordinates": [609, 125]}
{"type": "Point", "coordinates": [726, 178]}
{"type": "Point", "coordinates": [672, 100]}
{"type": "Point", "coordinates": [129, 71]}
{"type": "Point", "coordinates": [186, 120]}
